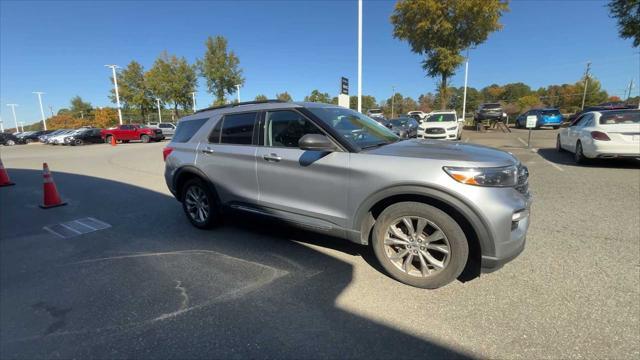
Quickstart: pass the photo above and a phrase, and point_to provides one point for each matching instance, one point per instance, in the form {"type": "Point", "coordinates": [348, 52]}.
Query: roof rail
{"type": "Point", "coordinates": [240, 104]}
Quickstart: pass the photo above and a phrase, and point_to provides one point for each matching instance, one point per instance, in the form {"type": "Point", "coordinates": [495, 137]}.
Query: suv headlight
{"type": "Point", "coordinates": [452, 128]}
{"type": "Point", "coordinates": [493, 176]}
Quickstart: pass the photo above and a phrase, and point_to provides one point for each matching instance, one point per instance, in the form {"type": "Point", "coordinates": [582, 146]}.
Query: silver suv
{"type": "Point", "coordinates": [428, 209]}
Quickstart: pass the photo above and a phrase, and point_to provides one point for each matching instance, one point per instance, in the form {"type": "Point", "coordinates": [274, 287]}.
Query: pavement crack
{"type": "Point", "coordinates": [185, 298]}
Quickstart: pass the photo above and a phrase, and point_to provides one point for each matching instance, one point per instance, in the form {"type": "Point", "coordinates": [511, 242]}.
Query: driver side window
{"type": "Point", "coordinates": [285, 128]}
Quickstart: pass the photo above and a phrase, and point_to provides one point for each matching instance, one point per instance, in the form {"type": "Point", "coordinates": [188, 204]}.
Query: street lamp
{"type": "Point", "coordinates": [115, 84]}
{"type": "Point", "coordinates": [159, 113]}
{"type": "Point", "coordinates": [193, 96]}
{"type": "Point", "coordinates": [393, 99]}
{"type": "Point", "coordinates": [13, 110]}
{"type": "Point", "coordinates": [1, 125]}
{"type": "Point", "coordinates": [44, 121]}
{"type": "Point", "coordinates": [360, 56]}
{"type": "Point", "coordinates": [238, 87]}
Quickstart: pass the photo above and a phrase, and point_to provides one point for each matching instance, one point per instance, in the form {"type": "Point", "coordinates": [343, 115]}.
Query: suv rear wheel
{"type": "Point", "coordinates": [145, 138]}
{"type": "Point", "coordinates": [420, 245]}
{"type": "Point", "coordinates": [199, 204]}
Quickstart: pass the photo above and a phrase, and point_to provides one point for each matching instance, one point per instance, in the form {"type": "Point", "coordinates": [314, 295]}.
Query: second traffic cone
{"type": "Point", "coordinates": [51, 196]}
{"type": "Point", "coordinates": [113, 141]}
{"type": "Point", "coordinates": [4, 176]}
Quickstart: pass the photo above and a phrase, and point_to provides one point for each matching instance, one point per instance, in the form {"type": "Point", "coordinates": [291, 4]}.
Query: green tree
{"type": "Point", "coordinates": [400, 105]}
{"type": "Point", "coordinates": [172, 80]}
{"type": "Point", "coordinates": [492, 93]}
{"type": "Point", "coordinates": [284, 97]}
{"type": "Point", "coordinates": [133, 90]}
{"type": "Point", "coordinates": [595, 94]}
{"type": "Point", "coordinates": [627, 12]}
{"type": "Point", "coordinates": [426, 102]}
{"type": "Point", "coordinates": [80, 108]}
{"type": "Point", "coordinates": [317, 96]}
{"type": "Point", "coordinates": [368, 102]}
{"type": "Point", "coordinates": [514, 91]}
{"type": "Point", "coordinates": [221, 69]}
{"type": "Point", "coordinates": [261, 97]}
{"type": "Point", "coordinates": [441, 29]}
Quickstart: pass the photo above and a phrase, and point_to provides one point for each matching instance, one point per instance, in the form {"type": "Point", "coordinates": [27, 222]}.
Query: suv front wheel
{"type": "Point", "coordinates": [199, 204]}
{"type": "Point", "coordinates": [419, 245]}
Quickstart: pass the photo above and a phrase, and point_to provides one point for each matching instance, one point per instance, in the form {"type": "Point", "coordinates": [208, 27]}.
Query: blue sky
{"type": "Point", "coordinates": [61, 47]}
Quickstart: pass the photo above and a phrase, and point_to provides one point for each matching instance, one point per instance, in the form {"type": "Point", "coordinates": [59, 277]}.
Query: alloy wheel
{"type": "Point", "coordinates": [197, 204]}
{"type": "Point", "coordinates": [417, 246]}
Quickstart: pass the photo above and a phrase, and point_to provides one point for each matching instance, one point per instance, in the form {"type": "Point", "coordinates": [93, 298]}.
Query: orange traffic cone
{"type": "Point", "coordinates": [113, 141]}
{"type": "Point", "coordinates": [51, 196]}
{"type": "Point", "coordinates": [4, 177]}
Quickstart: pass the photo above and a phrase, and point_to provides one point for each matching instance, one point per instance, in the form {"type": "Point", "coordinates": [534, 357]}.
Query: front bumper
{"type": "Point", "coordinates": [447, 135]}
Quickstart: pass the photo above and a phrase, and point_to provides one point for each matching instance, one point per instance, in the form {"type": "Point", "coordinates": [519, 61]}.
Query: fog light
{"type": "Point", "coordinates": [517, 217]}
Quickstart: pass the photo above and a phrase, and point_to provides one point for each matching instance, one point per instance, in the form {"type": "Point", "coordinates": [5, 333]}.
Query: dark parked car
{"type": "Point", "coordinates": [84, 136]}
{"type": "Point", "coordinates": [33, 137]}
{"type": "Point", "coordinates": [405, 127]}
{"type": "Point", "coordinates": [8, 139]}
{"type": "Point", "coordinates": [489, 111]}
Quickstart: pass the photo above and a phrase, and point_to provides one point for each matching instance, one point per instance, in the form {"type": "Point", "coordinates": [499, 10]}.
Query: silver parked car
{"type": "Point", "coordinates": [428, 209]}
{"type": "Point", "coordinates": [168, 129]}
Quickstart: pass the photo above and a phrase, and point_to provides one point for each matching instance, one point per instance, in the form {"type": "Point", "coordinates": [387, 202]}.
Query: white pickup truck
{"type": "Point", "coordinates": [168, 129]}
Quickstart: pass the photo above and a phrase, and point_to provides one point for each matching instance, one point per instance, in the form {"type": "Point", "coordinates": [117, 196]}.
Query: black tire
{"type": "Point", "coordinates": [213, 217]}
{"type": "Point", "coordinates": [558, 146]}
{"type": "Point", "coordinates": [107, 139]}
{"type": "Point", "coordinates": [28, 141]}
{"type": "Point", "coordinates": [458, 246]}
{"type": "Point", "coordinates": [579, 154]}
{"type": "Point", "coordinates": [145, 138]}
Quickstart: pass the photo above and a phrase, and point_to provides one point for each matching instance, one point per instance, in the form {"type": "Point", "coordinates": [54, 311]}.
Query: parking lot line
{"type": "Point", "coordinates": [522, 141]}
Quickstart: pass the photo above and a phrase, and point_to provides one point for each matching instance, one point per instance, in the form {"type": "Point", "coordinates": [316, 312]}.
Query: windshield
{"type": "Point", "coordinates": [491, 106]}
{"type": "Point", "coordinates": [620, 117]}
{"type": "Point", "coordinates": [375, 111]}
{"type": "Point", "coordinates": [550, 112]}
{"type": "Point", "coordinates": [441, 118]}
{"type": "Point", "coordinates": [358, 129]}
{"type": "Point", "coordinates": [399, 122]}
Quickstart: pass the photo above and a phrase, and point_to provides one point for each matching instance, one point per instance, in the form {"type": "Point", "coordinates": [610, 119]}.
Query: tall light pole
{"type": "Point", "coordinates": [359, 55]}
{"type": "Point", "coordinates": [44, 121]}
{"type": "Point", "coordinates": [586, 83]}
{"type": "Point", "coordinates": [1, 125]}
{"type": "Point", "coordinates": [238, 87]}
{"type": "Point", "coordinates": [393, 99]}
{"type": "Point", "coordinates": [464, 96]}
{"type": "Point", "coordinates": [193, 96]}
{"type": "Point", "coordinates": [159, 113]}
{"type": "Point", "coordinates": [13, 110]}
{"type": "Point", "coordinates": [51, 109]}
{"type": "Point", "coordinates": [115, 84]}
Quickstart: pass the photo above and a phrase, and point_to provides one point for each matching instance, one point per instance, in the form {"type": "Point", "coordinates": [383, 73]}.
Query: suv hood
{"type": "Point", "coordinates": [455, 152]}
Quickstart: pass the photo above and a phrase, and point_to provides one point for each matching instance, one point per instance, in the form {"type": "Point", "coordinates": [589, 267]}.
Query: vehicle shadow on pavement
{"type": "Point", "coordinates": [152, 286]}
{"type": "Point", "coordinates": [566, 158]}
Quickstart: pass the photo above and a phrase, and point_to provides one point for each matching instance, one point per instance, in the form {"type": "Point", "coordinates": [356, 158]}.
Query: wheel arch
{"type": "Point", "coordinates": [479, 237]}
{"type": "Point", "coordinates": [186, 173]}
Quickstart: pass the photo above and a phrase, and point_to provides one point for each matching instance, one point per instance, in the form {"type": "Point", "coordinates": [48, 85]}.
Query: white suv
{"type": "Point", "coordinates": [441, 125]}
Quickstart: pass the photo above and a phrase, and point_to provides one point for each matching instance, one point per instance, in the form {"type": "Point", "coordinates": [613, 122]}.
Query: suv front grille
{"type": "Point", "coordinates": [435, 131]}
{"type": "Point", "coordinates": [523, 180]}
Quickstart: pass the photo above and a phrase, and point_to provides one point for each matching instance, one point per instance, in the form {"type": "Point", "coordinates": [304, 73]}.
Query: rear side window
{"type": "Point", "coordinates": [187, 128]}
{"type": "Point", "coordinates": [238, 129]}
{"type": "Point", "coordinates": [620, 117]}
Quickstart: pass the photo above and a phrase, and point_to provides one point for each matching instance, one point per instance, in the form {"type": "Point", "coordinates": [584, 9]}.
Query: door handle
{"type": "Point", "coordinates": [207, 150]}
{"type": "Point", "coordinates": [272, 157]}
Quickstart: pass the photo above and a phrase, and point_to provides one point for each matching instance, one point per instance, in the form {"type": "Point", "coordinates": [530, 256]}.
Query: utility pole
{"type": "Point", "coordinates": [238, 87]}
{"type": "Point", "coordinates": [44, 121]}
{"type": "Point", "coordinates": [586, 83]}
{"type": "Point", "coordinates": [22, 126]}
{"type": "Point", "coordinates": [51, 109]}
{"type": "Point", "coordinates": [393, 99]}
{"type": "Point", "coordinates": [464, 95]}
{"type": "Point", "coordinates": [193, 96]}
{"type": "Point", "coordinates": [360, 56]}
{"type": "Point", "coordinates": [13, 110]}
{"type": "Point", "coordinates": [630, 88]}
{"type": "Point", "coordinates": [159, 113]}
{"type": "Point", "coordinates": [115, 84]}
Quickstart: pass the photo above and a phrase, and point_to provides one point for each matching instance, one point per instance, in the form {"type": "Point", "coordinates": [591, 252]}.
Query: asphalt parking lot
{"type": "Point", "coordinates": [151, 285]}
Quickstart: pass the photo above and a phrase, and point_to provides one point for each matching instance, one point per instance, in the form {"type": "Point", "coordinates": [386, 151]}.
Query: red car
{"type": "Point", "coordinates": [125, 133]}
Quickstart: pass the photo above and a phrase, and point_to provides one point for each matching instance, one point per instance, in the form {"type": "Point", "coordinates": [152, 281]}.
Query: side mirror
{"type": "Point", "coordinates": [316, 142]}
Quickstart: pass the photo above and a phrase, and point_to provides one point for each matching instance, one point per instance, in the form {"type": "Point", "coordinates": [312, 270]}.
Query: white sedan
{"type": "Point", "coordinates": [441, 125]}
{"type": "Point", "coordinates": [602, 134]}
